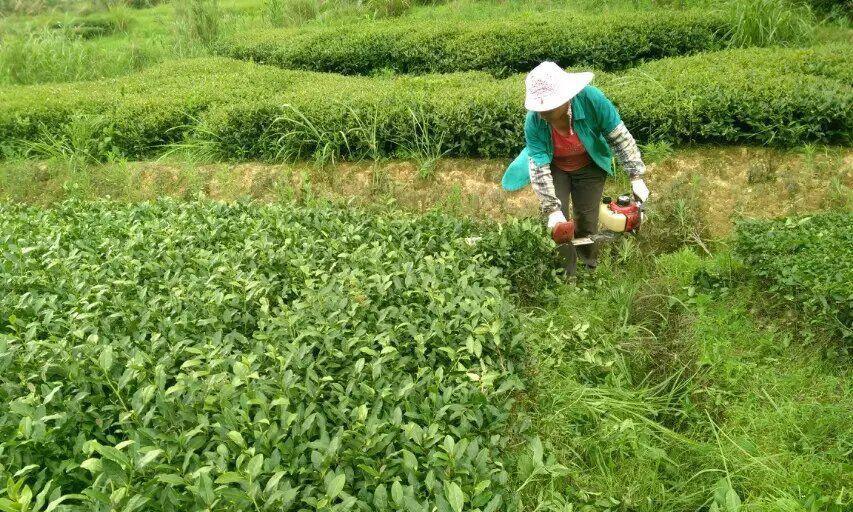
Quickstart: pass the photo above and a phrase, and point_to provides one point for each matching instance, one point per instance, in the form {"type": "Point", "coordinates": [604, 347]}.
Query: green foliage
{"type": "Point", "coordinates": [142, 4]}
{"type": "Point", "coordinates": [499, 46]}
{"type": "Point", "coordinates": [769, 96]}
{"type": "Point", "coordinates": [60, 56]}
{"type": "Point", "coordinates": [776, 96]}
{"type": "Point", "coordinates": [184, 356]}
{"type": "Point", "coordinates": [807, 263]}
{"type": "Point", "coordinates": [27, 7]}
{"type": "Point", "coordinates": [276, 12]}
{"type": "Point", "coordinates": [198, 20]}
{"type": "Point", "coordinates": [766, 22]}
{"type": "Point", "coordinates": [95, 25]}
{"type": "Point", "coordinates": [658, 395]}
{"type": "Point", "coordinates": [831, 7]}
{"type": "Point", "coordinates": [297, 11]}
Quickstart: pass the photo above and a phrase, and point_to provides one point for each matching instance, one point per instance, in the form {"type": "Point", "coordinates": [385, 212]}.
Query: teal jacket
{"type": "Point", "coordinates": [594, 116]}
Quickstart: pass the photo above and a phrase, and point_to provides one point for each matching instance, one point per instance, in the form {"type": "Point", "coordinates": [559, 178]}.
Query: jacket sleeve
{"type": "Point", "coordinates": [625, 148]}
{"type": "Point", "coordinates": [540, 168]}
{"type": "Point", "coordinates": [618, 137]}
{"type": "Point", "coordinates": [543, 185]}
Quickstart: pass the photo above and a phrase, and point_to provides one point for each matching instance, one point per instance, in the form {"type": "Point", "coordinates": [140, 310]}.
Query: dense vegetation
{"type": "Point", "coordinates": [300, 354]}
{"type": "Point", "coordinates": [807, 263]}
{"type": "Point", "coordinates": [243, 110]}
{"type": "Point", "coordinates": [182, 355]}
{"type": "Point", "coordinates": [510, 44]}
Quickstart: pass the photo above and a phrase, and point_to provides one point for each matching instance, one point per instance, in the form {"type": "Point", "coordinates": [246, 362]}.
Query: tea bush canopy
{"type": "Point", "coordinates": [807, 263]}
{"type": "Point", "coordinates": [502, 46]}
{"type": "Point", "coordinates": [194, 353]}
{"type": "Point", "coordinates": [244, 110]}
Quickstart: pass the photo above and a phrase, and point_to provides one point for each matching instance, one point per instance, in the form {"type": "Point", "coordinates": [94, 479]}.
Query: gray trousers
{"type": "Point", "coordinates": [584, 187]}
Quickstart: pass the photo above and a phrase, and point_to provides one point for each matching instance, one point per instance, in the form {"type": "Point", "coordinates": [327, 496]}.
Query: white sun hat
{"type": "Point", "coordinates": [548, 86]}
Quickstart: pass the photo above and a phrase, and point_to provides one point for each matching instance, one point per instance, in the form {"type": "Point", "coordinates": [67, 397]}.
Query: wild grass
{"type": "Point", "coordinates": [770, 22]}
{"type": "Point", "coordinates": [59, 56]}
{"type": "Point", "coordinates": [82, 141]}
{"type": "Point", "coordinates": [426, 145]}
{"type": "Point", "coordinates": [698, 416]}
{"type": "Point", "coordinates": [276, 12]}
{"type": "Point", "coordinates": [198, 21]}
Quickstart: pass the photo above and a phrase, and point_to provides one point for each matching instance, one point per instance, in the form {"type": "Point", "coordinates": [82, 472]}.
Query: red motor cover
{"type": "Point", "coordinates": [564, 232]}
{"type": "Point", "coordinates": [631, 213]}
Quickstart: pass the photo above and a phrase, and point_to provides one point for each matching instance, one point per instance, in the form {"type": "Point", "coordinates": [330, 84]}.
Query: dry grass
{"type": "Point", "coordinates": [732, 182]}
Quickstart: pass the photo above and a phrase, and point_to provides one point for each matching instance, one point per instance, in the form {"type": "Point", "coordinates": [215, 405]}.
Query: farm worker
{"type": "Point", "coordinates": [571, 131]}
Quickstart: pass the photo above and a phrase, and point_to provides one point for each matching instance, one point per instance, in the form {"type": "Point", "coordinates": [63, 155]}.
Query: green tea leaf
{"type": "Point", "coordinates": [148, 457]}
{"type": "Point", "coordinates": [454, 496]}
{"type": "Point", "coordinates": [335, 487]}
{"type": "Point", "coordinates": [105, 360]}
{"type": "Point", "coordinates": [397, 493]}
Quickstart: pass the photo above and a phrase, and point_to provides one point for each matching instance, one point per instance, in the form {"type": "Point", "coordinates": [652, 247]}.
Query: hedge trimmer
{"type": "Point", "coordinates": [623, 215]}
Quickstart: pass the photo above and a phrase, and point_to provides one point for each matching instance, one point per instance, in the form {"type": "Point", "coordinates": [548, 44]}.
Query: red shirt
{"type": "Point", "coordinates": [569, 153]}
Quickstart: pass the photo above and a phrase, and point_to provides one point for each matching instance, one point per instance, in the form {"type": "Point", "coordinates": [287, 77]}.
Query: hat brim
{"type": "Point", "coordinates": [571, 86]}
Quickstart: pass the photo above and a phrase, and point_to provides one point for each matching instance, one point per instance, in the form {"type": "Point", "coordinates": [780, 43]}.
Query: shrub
{"type": "Point", "coordinates": [199, 353]}
{"type": "Point", "coordinates": [777, 96]}
{"type": "Point", "coordinates": [807, 263]}
{"type": "Point", "coordinates": [766, 96]}
{"type": "Point", "coordinates": [501, 47]}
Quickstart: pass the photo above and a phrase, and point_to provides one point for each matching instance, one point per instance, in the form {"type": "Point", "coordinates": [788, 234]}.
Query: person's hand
{"type": "Point", "coordinates": [640, 190]}
{"type": "Point", "coordinates": [562, 230]}
{"type": "Point", "coordinates": [555, 218]}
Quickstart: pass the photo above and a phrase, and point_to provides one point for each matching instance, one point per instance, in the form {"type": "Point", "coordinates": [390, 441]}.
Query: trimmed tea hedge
{"type": "Point", "coordinates": [244, 110]}
{"type": "Point", "coordinates": [201, 355]}
{"type": "Point", "coordinates": [768, 96]}
{"type": "Point", "coordinates": [499, 46]}
{"type": "Point", "coordinates": [807, 262]}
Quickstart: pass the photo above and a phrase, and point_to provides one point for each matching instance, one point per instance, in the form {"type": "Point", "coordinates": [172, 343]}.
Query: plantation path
{"type": "Point", "coordinates": [718, 184]}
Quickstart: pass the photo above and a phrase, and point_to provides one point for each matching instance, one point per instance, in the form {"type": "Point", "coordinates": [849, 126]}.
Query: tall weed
{"type": "Point", "coordinates": [198, 21]}
{"type": "Point", "coordinates": [276, 12]}
{"type": "Point", "coordinates": [57, 56]}
{"type": "Point", "coordinates": [83, 140]}
{"type": "Point", "coordinates": [770, 22]}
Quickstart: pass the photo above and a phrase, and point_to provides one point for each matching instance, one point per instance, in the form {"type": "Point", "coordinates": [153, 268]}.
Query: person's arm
{"type": "Point", "coordinates": [625, 148]}
{"type": "Point", "coordinates": [543, 186]}
{"type": "Point", "coordinates": [621, 142]}
{"type": "Point", "coordinates": [540, 170]}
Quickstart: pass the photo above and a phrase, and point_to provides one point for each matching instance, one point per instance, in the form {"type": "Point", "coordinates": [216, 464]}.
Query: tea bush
{"type": "Point", "coordinates": [498, 46]}
{"type": "Point", "coordinates": [94, 25]}
{"type": "Point", "coordinates": [201, 355]}
{"type": "Point", "coordinates": [806, 262]}
{"type": "Point", "coordinates": [766, 96]}
{"type": "Point", "coordinates": [771, 96]}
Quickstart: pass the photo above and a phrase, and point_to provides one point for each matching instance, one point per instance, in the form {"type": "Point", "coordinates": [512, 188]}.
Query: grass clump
{"type": "Point", "coordinates": [198, 21]}
{"type": "Point", "coordinates": [654, 389]}
{"type": "Point", "coordinates": [47, 56]}
{"type": "Point", "coordinates": [769, 22]}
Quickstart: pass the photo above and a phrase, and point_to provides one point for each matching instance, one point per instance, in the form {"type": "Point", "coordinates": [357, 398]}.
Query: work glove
{"type": "Point", "coordinates": [640, 190]}
{"type": "Point", "coordinates": [562, 230]}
